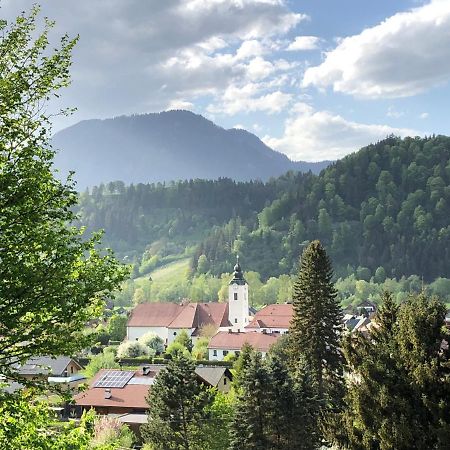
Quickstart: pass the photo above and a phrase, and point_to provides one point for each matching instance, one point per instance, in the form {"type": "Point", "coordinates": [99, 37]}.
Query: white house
{"type": "Point", "coordinates": [167, 320]}
{"type": "Point", "coordinates": [225, 342]}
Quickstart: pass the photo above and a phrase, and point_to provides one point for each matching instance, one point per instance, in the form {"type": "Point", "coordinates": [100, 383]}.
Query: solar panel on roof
{"type": "Point", "coordinates": [114, 379]}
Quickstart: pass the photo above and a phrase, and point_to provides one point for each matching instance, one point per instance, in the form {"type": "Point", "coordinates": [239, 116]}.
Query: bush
{"type": "Point", "coordinates": [177, 349]}
{"type": "Point", "coordinates": [110, 433]}
{"type": "Point", "coordinates": [153, 341]}
{"type": "Point", "coordinates": [133, 349]}
{"type": "Point", "coordinates": [103, 360]}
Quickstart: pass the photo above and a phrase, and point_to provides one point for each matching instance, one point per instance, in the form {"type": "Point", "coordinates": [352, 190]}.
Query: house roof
{"type": "Point", "coordinates": [272, 316]}
{"type": "Point", "coordinates": [171, 315]}
{"type": "Point", "coordinates": [234, 341]}
{"type": "Point", "coordinates": [154, 314]}
{"type": "Point", "coordinates": [46, 365]}
{"type": "Point", "coordinates": [132, 395]}
{"type": "Point", "coordinates": [213, 374]}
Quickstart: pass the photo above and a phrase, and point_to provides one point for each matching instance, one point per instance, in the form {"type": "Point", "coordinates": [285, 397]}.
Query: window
{"type": "Point", "coordinates": [237, 353]}
{"type": "Point", "coordinates": [225, 352]}
{"type": "Point", "coordinates": [225, 381]}
{"type": "Point", "coordinates": [214, 352]}
{"type": "Point", "coordinates": [235, 320]}
{"type": "Point", "coordinates": [71, 369]}
{"type": "Point", "coordinates": [174, 333]}
{"type": "Point", "coordinates": [235, 295]}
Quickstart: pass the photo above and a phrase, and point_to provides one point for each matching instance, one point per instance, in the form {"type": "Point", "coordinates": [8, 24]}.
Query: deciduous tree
{"type": "Point", "coordinates": [53, 278]}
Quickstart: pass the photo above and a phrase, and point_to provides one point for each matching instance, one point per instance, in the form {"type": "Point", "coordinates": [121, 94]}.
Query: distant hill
{"type": "Point", "coordinates": [172, 145]}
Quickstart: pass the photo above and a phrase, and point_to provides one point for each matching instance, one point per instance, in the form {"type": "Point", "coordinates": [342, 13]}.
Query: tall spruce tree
{"type": "Point", "coordinates": [272, 411]}
{"type": "Point", "coordinates": [398, 393]}
{"type": "Point", "coordinates": [179, 409]}
{"type": "Point", "coordinates": [314, 333]}
{"type": "Point", "coordinates": [250, 424]}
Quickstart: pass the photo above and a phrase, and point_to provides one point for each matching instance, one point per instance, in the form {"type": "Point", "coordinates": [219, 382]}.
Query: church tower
{"type": "Point", "coordinates": [238, 300]}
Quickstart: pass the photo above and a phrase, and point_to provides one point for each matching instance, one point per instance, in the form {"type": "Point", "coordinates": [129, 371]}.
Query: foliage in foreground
{"type": "Point", "coordinates": [399, 384]}
{"type": "Point", "coordinates": [28, 424]}
{"type": "Point", "coordinates": [53, 279]}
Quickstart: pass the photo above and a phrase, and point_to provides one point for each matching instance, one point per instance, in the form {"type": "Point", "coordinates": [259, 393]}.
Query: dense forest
{"type": "Point", "coordinates": [386, 206]}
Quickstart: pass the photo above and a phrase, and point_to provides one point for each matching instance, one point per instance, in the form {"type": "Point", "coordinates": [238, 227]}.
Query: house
{"type": "Point", "coordinates": [366, 308]}
{"type": "Point", "coordinates": [272, 319]}
{"type": "Point", "coordinates": [61, 370]}
{"type": "Point", "coordinates": [225, 342]}
{"type": "Point", "coordinates": [216, 376]}
{"type": "Point", "coordinates": [124, 392]}
{"type": "Point", "coordinates": [114, 391]}
{"type": "Point", "coordinates": [355, 323]}
{"type": "Point", "coordinates": [167, 320]}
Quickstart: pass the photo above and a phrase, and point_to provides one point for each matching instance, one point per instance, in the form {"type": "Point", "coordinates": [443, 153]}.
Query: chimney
{"type": "Point", "coordinates": [108, 394]}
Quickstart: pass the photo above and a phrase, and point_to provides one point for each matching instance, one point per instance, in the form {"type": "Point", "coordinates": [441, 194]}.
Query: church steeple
{"type": "Point", "coordinates": [238, 300]}
{"type": "Point", "coordinates": [238, 276]}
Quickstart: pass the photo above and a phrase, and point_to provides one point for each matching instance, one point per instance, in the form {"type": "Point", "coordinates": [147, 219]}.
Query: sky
{"type": "Point", "coordinates": [314, 79]}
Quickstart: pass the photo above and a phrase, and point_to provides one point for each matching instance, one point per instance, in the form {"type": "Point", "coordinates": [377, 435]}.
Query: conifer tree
{"type": "Point", "coordinates": [398, 394]}
{"type": "Point", "coordinates": [179, 409]}
{"type": "Point", "coordinates": [291, 424]}
{"type": "Point", "coordinates": [272, 411]}
{"type": "Point", "coordinates": [250, 424]}
{"type": "Point", "coordinates": [314, 331]}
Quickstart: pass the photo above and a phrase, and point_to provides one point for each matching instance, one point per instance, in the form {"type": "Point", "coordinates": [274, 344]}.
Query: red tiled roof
{"type": "Point", "coordinates": [130, 396]}
{"type": "Point", "coordinates": [213, 313]}
{"type": "Point", "coordinates": [272, 316]}
{"type": "Point", "coordinates": [171, 315]}
{"type": "Point", "coordinates": [154, 314]}
{"type": "Point", "coordinates": [186, 318]}
{"type": "Point", "coordinates": [234, 341]}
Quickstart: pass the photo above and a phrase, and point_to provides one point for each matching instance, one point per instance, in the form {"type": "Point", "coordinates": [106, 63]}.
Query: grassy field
{"type": "Point", "coordinates": [169, 273]}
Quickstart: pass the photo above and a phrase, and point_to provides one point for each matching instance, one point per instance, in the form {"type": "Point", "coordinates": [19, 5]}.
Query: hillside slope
{"type": "Point", "coordinates": [386, 207]}
{"type": "Point", "coordinates": [172, 145]}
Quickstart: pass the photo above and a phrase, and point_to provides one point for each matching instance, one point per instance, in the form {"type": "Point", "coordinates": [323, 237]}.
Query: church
{"type": "Point", "coordinates": [232, 321]}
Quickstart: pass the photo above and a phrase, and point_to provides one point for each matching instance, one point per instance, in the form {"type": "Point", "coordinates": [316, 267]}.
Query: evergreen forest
{"type": "Point", "coordinates": [381, 212]}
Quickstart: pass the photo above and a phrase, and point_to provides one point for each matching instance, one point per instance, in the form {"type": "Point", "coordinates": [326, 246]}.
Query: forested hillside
{"type": "Point", "coordinates": [385, 208]}
{"type": "Point", "coordinates": [165, 220]}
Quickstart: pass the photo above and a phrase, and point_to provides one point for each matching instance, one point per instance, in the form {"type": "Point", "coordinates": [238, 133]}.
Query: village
{"type": "Point", "coordinates": [122, 393]}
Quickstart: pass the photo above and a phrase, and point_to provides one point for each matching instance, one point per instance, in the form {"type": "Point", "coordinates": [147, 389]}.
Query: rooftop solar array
{"type": "Point", "coordinates": [114, 379]}
{"type": "Point", "coordinates": [142, 381]}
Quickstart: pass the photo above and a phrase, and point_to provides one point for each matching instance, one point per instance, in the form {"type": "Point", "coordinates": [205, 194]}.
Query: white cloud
{"type": "Point", "coordinates": [179, 104]}
{"type": "Point", "coordinates": [311, 135]}
{"type": "Point", "coordinates": [250, 98]}
{"type": "Point", "coordinates": [135, 56]}
{"type": "Point", "coordinates": [393, 113]}
{"type": "Point", "coordinates": [424, 115]}
{"type": "Point", "coordinates": [304, 43]}
{"type": "Point", "coordinates": [406, 54]}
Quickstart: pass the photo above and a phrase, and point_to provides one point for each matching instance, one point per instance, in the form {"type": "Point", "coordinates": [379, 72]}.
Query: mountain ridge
{"type": "Point", "coordinates": [166, 146]}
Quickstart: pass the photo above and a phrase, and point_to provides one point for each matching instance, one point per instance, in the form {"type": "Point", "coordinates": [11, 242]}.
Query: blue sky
{"type": "Point", "coordinates": [315, 79]}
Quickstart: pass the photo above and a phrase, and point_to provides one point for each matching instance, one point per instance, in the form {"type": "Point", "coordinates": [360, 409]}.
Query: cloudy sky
{"type": "Point", "coordinates": [315, 79]}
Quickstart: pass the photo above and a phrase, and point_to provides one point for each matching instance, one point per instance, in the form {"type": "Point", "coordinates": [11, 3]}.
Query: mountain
{"type": "Point", "coordinates": [172, 145]}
